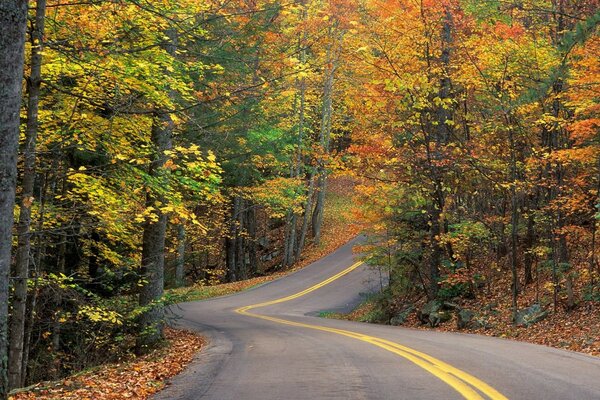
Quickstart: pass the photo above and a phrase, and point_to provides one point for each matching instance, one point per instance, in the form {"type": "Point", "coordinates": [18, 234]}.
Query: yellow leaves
{"type": "Point", "coordinates": [97, 314]}
{"type": "Point", "coordinates": [279, 195]}
{"type": "Point", "coordinates": [211, 157]}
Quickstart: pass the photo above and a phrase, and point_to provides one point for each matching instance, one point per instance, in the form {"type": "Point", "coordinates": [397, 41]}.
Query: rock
{"type": "Point", "coordinates": [401, 317]}
{"type": "Point", "coordinates": [451, 306]}
{"type": "Point", "coordinates": [465, 318]}
{"type": "Point", "coordinates": [430, 307]}
{"type": "Point", "coordinates": [438, 317]}
{"type": "Point", "coordinates": [469, 319]}
{"type": "Point", "coordinates": [435, 312]}
{"type": "Point", "coordinates": [531, 315]}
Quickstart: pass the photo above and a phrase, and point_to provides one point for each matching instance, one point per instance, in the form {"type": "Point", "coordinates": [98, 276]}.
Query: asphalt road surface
{"type": "Point", "coordinates": [268, 343]}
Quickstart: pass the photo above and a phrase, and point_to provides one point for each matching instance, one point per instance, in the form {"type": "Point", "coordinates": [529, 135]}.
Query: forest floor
{"type": "Point", "coordinates": [575, 330]}
{"type": "Point", "coordinates": [138, 379]}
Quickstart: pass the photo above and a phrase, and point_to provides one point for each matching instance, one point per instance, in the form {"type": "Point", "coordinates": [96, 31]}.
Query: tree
{"type": "Point", "coordinates": [13, 22]}
{"type": "Point", "coordinates": [17, 324]}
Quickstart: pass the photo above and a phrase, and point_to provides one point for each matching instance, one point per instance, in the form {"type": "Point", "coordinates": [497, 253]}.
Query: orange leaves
{"type": "Point", "coordinates": [505, 31]}
{"type": "Point", "coordinates": [584, 130]}
{"type": "Point", "coordinates": [135, 380]}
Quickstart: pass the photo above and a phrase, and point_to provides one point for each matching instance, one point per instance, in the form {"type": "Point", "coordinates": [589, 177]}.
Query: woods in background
{"type": "Point", "coordinates": [478, 140]}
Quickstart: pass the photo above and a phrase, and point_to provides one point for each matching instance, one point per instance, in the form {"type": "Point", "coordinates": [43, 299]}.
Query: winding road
{"type": "Point", "coordinates": [268, 343]}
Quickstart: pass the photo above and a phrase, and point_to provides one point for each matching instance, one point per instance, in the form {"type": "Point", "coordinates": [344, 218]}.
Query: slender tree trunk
{"type": "Point", "coordinates": [592, 266]}
{"type": "Point", "coordinates": [306, 216]}
{"type": "Point", "coordinates": [17, 322]}
{"type": "Point", "coordinates": [442, 134]}
{"type": "Point", "coordinates": [286, 240]}
{"type": "Point", "coordinates": [231, 241]}
{"type": "Point", "coordinates": [317, 216]}
{"type": "Point", "coordinates": [180, 261]}
{"type": "Point", "coordinates": [528, 258]}
{"type": "Point", "coordinates": [240, 241]}
{"type": "Point", "coordinates": [562, 248]}
{"type": "Point", "coordinates": [60, 271]}
{"type": "Point", "coordinates": [325, 134]}
{"type": "Point", "coordinates": [230, 259]}
{"type": "Point", "coordinates": [514, 220]}
{"type": "Point", "coordinates": [290, 243]}
{"type": "Point", "coordinates": [290, 239]}
{"type": "Point", "coordinates": [251, 242]}
{"type": "Point", "coordinates": [435, 259]}
{"type": "Point", "coordinates": [39, 254]}
{"type": "Point", "coordinates": [13, 23]}
{"type": "Point", "coordinates": [153, 244]}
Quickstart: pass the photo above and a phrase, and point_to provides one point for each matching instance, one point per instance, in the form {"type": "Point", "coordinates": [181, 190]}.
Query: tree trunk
{"type": "Point", "coordinates": [435, 259]}
{"type": "Point", "coordinates": [231, 242]}
{"type": "Point", "coordinates": [17, 322]}
{"type": "Point", "coordinates": [528, 258]}
{"type": "Point", "coordinates": [317, 216]}
{"type": "Point", "coordinates": [442, 134]}
{"type": "Point", "coordinates": [325, 135]}
{"type": "Point", "coordinates": [39, 254]}
{"type": "Point", "coordinates": [240, 242]}
{"type": "Point", "coordinates": [13, 23]}
{"type": "Point", "coordinates": [153, 242]}
{"type": "Point", "coordinates": [514, 220]}
{"type": "Point", "coordinates": [251, 242]}
{"type": "Point", "coordinates": [290, 242]}
{"type": "Point", "coordinates": [180, 261]}
{"type": "Point", "coordinates": [306, 216]}
{"type": "Point", "coordinates": [291, 220]}
{"type": "Point", "coordinates": [57, 298]}
{"type": "Point", "coordinates": [153, 245]}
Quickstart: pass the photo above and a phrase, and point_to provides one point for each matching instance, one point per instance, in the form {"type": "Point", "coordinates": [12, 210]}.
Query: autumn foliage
{"type": "Point", "coordinates": [476, 137]}
{"type": "Point", "coordinates": [180, 143]}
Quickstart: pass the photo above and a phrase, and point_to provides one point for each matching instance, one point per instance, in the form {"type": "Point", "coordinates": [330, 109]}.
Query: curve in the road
{"type": "Point", "coordinates": [462, 382]}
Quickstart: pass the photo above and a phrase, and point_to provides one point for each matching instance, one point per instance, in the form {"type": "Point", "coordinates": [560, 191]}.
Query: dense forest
{"type": "Point", "coordinates": [149, 144]}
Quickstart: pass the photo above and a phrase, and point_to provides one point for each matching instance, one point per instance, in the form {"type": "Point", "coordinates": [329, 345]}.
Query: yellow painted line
{"type": "Point", "coordinates": [459, 380]}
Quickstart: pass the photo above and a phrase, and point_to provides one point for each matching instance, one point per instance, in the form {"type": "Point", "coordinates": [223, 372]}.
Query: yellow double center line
{"type": "Point", "coordinates": [460, 381]}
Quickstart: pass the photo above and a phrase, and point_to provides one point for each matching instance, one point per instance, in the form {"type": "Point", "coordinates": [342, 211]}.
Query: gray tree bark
{"type": "Point", "coordinates": [153, 245]}
{"type": "Point", "coordinates": [514, 220]}
{"type": "Point", "coordinates": [180, 261]}
{"type": "Point", "coordinates": [289, 245]}
{"type": "Point", "coordinates": [231, 253]}
{"type": "Point", "coordinates": [251, 242]}
{"type": "Point", "coordinates": [240, 242]}
{"type": "Point", "coordinates": [17, 322]}
{"type": "Point", "coordinates": [13, 23]}
{"type": "Point", "coordinates": [306, 216]}
{"type": "Point", "coordinates": [441, 133]}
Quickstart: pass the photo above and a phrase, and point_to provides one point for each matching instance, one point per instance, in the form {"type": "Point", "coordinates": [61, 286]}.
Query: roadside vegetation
{"type": "Point", "coordinates": [134, 379]}
{"type": "Point", "coordinates": [137, 378]}
{"type": "Point", "coordinates": [478, 152]}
